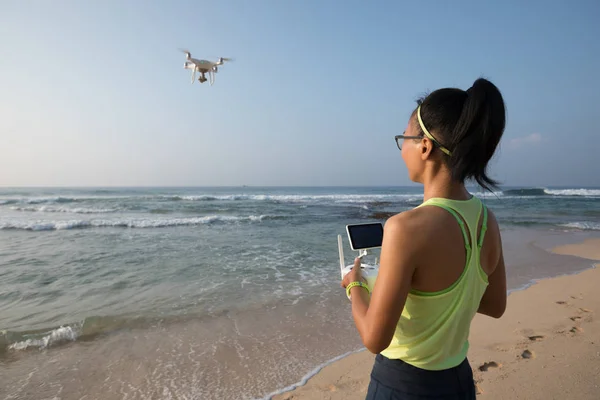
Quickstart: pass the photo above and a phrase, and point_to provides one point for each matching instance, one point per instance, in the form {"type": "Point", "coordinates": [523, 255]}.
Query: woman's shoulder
{"type": "Point", "coordinates": [419, 223]}
{"type": "Point", "coordinates": [428, 224]}
{"type": "Point", "coordinates": [419, 217]}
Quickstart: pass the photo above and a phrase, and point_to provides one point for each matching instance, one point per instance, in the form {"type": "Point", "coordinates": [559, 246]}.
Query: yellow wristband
{"type": "Point", "coordinates": [356, 283]}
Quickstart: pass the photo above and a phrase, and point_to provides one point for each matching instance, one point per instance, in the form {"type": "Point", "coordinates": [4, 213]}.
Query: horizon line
{"type": "Point", "coordinates": [274, 186]}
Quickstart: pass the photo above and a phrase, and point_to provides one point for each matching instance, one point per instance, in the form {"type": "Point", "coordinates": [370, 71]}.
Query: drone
{"type": "Point", "coordinates": [203, 66]}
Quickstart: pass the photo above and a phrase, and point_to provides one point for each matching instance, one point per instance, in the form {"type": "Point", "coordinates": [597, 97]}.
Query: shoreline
{"type": "Point", "coordinates": [347, 376]}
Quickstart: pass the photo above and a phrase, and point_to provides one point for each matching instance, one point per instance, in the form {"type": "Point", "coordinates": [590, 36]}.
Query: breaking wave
{"type": "Point", "coordinates": [89, 328]}
{"type": "Point", "coordinates": [525, 192]}
{"type": "Point", "coordinates": [585, 226]}
{"type": "Point", "coordinates": [80, 210]}
{"type": "Point", "coordinates": [130, 223]}
{"type": "Point", "coordinates": [530, 192]}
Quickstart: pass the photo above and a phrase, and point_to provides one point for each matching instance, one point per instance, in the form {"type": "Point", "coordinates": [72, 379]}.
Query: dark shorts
{"type": "Point", "coordinates": [397, 380]}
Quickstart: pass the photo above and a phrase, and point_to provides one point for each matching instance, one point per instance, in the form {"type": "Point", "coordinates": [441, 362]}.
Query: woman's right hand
{"type": "Point", "coordinates": [354, 275]}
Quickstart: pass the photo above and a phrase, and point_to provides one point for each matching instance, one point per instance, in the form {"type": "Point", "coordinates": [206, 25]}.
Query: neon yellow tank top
{"type": "Point", "coordinates": [433, 330]}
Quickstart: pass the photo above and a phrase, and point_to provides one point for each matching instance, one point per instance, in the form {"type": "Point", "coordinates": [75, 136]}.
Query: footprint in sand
{"type": "Point", "coordinates": [585, 310]}
{"type": "Point", "coordinates": [536, 338]}
{"type": "Point", "coordinates": [527, 354]}
{"type": "Point", "coordinates": [561, 302]}
{"type": "Point", "coordinates": [575, 318]}
{"type": "Point", "coordinates": [486, 366]}
{"type": "Point", "coordinates": [478, 390]}
{"type": "Point", "coordinates": [576, 329]}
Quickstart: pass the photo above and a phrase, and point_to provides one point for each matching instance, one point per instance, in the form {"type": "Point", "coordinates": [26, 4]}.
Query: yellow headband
{"type": "Point", "coordinates": [429, 135]}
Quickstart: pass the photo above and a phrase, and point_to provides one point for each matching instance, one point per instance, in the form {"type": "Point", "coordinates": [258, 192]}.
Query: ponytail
{"type": "Point", "coordinates": [469, 123]}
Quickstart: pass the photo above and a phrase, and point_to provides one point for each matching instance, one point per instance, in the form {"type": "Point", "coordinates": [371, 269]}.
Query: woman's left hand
{"type": "Point", "coordinates": [354, 274]}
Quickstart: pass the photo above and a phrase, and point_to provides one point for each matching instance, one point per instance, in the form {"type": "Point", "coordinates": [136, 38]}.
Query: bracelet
{"type": "Point", "coordinates": [356, 283]}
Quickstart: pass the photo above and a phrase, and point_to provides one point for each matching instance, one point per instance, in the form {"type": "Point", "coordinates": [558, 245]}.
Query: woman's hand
{"type": "Point", "coordinates": [354, 274]}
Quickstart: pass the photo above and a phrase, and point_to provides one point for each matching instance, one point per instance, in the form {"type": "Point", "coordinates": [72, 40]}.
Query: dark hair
{"type": "Point", "coordinates": [468, 123]}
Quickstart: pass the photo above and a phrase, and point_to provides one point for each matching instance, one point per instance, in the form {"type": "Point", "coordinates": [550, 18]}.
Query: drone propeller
{"type": "Point", "coordinates": [187, 53]}
{"type": "Point", "coordinates": [223, 59]}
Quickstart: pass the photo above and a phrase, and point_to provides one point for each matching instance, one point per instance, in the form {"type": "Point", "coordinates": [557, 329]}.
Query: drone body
{"type": "Point", "coordinates": [203, 66]}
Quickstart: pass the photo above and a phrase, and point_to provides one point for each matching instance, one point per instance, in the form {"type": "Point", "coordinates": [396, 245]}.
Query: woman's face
{"type": "Point", "coordinates": [411, 153]}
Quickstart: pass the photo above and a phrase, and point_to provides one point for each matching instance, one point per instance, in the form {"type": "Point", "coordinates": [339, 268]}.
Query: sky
{"type": "Point", "coordinates": [94, 93]}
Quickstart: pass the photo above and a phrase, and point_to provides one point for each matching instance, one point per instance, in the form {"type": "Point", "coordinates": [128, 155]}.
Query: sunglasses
{"type": "Point", "coordinates": [400, 138]}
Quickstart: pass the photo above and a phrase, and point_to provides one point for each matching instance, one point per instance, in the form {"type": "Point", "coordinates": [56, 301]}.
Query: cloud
{"type": "Point", "coordinates": [533, 139]}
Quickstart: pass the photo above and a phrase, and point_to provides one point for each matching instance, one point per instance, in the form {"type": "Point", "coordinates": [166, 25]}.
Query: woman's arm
{"type": "Point", "coordinates": [376, 318]}
{"type": "Point", "coordinates": [493, 302]}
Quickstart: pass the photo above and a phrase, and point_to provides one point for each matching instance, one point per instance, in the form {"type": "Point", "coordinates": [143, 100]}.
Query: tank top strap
{"type": "Point", "coordinates": [459, 218]}
{"type": "Point", "coordinates": [467, 213]}
{"type": "Point", "coordinates": [483, 225]}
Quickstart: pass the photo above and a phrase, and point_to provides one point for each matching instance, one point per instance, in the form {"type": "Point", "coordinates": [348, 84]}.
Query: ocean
{"type": "Point", "coordinates": [213, 293]}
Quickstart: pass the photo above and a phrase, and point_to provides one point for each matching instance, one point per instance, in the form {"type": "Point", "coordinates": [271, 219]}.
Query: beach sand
{"type": "Point", "coordinates": [546, 346]}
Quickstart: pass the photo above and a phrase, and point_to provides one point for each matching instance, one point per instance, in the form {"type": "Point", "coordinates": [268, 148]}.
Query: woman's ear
{"type": "Point", "coordinates": [426, 148]}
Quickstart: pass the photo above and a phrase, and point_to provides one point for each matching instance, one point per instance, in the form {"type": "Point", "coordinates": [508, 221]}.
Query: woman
{"type": "Point", "coordinates": [440, 262]}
